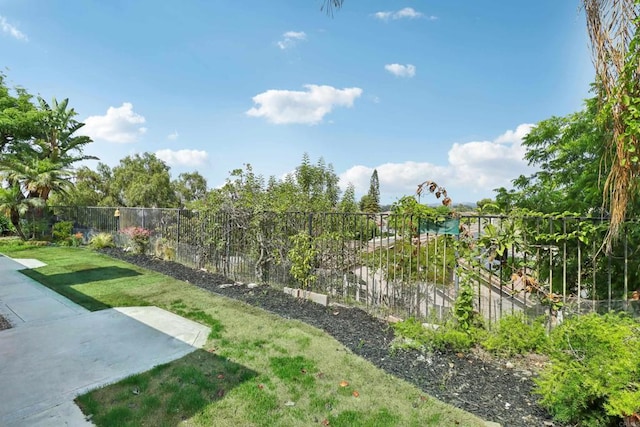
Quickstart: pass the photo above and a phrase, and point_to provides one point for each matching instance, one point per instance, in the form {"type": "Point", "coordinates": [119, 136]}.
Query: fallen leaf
{"type": "Point", "coordinates": [220, 376]}
{"type": "Point", "coordinates": [260, 386]}
{"type": "Point", "coordinates": [325, 422]}
{"type": "Point", "coordinates": [344, 384]}
{"type": "Point", "coordinates": [423, 398]}
{"type": "Point", "coordinates": [355, 393]}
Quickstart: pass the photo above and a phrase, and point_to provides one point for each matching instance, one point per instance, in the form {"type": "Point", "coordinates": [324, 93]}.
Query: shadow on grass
{"type": "Point", "coordinates": [167, 394]}
{"type": "Point", "coordinates": [62, 283]}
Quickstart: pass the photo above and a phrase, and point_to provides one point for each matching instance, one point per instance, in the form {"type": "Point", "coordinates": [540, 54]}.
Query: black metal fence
{"type": "Point", "coordinates": [397, 265]}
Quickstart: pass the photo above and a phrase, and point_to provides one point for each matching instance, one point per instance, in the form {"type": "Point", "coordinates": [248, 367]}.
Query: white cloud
{"type": "Point", "coordinates": [291, 38]}
{"type": "Point", "coordinates": [173, 136]}
{"type": "Point", "coordinates": [400, 70]}
{"type": "Point", "coordinates": [511, 136]}
{"type": "Point", "coordinates": [119, 124]}
{"type": "Point", "coordinates": [306, 107]}
{"type": "Point", "coordinates": [12, 30]}
{"type": "Point", "coordinates": [183, 157]}
{"type": "Point", "coordinates": [405, 13]}
{"type": "Point", "coordinates": [472, 167]}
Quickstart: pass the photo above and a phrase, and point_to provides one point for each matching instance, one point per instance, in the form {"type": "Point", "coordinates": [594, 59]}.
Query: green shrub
{"type": "Point", "coordinates": [594, 375]}
{"type": "Point", "coordinates": [164, 249]}
{"type": "Point", "coordinates": [101, 240]}
{"type": "Point", "coordinates": [515, 334]}
{"type": "Point", "coordinates": [138, 237]}
{"type": "Point", "coordinates": [445, 337]}
{"type": "Point", "coordinates": [62, 230]}
{"type": "Point", "coordinates": [5, 226]}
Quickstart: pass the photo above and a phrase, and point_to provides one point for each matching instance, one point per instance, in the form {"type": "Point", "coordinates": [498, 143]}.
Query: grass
{"type": "Point", "coordinates": [256, 369]}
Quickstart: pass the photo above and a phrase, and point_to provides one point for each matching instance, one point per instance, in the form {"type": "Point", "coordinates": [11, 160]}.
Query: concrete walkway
{"type": "Point", "coordinates": [57, 350]}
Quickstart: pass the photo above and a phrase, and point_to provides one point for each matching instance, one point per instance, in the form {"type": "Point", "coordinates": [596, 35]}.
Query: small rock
{"type": "Point", "coordinates": [510, 365]}
{"type": "Point", "coordinates": [252, 285]}
{"type": "Point", "coordinates": [507, 405]}
{"type": "Point", "coordinates": [226, 285]}
{"type": "Point", "coordinates": [527, 373]}
{"type": "Point", "coordinates": [290, 403]}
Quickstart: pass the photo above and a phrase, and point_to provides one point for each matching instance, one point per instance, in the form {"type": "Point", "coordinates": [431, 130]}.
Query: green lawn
{"type": "Point", "coordinates": [256, 369]}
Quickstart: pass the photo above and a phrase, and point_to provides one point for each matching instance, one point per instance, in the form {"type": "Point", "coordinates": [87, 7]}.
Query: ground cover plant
{"type": "Point", "coordinates": [266, 371]}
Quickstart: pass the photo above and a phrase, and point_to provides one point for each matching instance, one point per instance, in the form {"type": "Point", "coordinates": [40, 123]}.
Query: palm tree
{"type": "Point", "coordinates": [615, 41]}
{"type": "Point", "coordinates": [57, 141]}
{"type": "Point", "coordinates": [329, 5]}
{"type": "Point", "coordinates": [14, 204]}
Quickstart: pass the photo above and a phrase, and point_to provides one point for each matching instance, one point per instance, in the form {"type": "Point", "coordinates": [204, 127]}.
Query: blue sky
{"type": "Point", "coordinates": [438, 90]}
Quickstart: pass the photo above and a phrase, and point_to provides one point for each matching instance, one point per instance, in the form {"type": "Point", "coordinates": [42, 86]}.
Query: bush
{"type": "Point", "coordinates": [163, 249]}
{"type": "Point", "coordinates": [139, 237]}
{"type": "Point", "coordinates": [101, 240]}
{"type": "Point", "coordinates": [5, 226]}
{"type": "Point", "coordinates": [62, 230]}
{"type": "Point", "coordinates": [445, 337]}
{"type": "Point", "coordinates": [516, 335]}
{"type": "Point", "coordinates": [594, 376]}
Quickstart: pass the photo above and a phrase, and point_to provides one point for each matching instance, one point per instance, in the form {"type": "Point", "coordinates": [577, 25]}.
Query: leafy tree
{"type": "Point", "coordinates": [143, 181]}
{"type": "Point", "coordinates": [190, 187]}
{"type": "Point", "coordinates": [570, 158]}
{"type": "Point", "coordinates": [19, 118]}
{"type": "Point", "coordinates": [348, 203]}
{"type": "Point", "coordinates": [90, 188]}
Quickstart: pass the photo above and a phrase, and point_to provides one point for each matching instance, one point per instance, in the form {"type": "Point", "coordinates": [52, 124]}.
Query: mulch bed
{"type": "Point", "coordinates": [481, 385]}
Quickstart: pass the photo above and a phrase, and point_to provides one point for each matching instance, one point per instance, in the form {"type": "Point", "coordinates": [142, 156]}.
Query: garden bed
{"type": "Point", "coordinates": [492, 389]}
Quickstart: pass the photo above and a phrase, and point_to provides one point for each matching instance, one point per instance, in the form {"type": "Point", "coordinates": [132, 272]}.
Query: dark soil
{"type": "Point", "coordinates": [481, 385]}
{"type": "Point", "coordinates": [4, 323]}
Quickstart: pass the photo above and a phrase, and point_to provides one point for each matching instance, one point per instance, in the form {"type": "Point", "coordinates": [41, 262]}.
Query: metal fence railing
{"type": "Point", "coordinates": [398, 265]}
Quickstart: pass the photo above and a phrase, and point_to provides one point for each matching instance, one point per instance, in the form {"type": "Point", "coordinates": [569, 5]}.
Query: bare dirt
{"type": "Point", "coordinates": [495, 390]}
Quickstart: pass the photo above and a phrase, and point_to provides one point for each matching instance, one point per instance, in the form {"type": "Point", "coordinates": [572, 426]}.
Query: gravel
{"type": "Point", "coordinates": [4, 323]}
{"type": "Point", "coordinates": [495, 390]}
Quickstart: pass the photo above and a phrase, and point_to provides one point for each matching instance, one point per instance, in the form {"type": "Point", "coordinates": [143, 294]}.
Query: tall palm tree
{"type": "Point", "coordinates": [614, 32]}
{"type": "Point", "coordinates": [57, 140]}
{"type": "Point", "coordinates": [329, 5]}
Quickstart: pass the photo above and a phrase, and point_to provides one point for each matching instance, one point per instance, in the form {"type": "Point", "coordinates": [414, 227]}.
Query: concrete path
{"type": "Point", "coordinates": [58, 350]}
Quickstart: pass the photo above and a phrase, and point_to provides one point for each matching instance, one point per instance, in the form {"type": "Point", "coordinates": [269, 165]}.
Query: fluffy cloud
{"type": "Point", "coordinates": [400, 70]}
{"type": "Point", "coordinates": [291, 38]}
{"type": "Point", "coordinates": [472, 167]}
{"type": "Point", "coordinates": [306, 107]}
{"type": "Point", "coordinates": [183, 157]}
{"type": "Point", "coordinates": [7, 28]}
{"type": "Point", "coordinates": [406, 13]}
{"type": "Point", "coordinates": [119, 124]}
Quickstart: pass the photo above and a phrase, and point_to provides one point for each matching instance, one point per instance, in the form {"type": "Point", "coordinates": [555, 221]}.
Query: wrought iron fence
{"type": "Point", "coordinates": [397, 265]}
